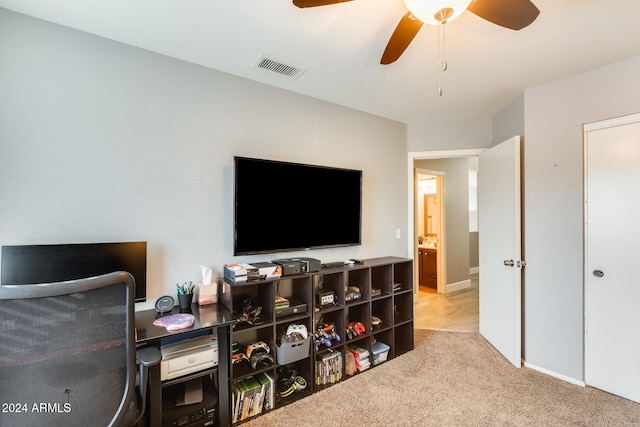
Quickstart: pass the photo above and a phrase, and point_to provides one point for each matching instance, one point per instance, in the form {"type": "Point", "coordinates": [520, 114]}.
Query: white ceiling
{"type": "Point", "coordinates": [341, 45]}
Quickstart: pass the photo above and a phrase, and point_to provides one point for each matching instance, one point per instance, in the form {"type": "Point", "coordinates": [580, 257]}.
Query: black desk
{"type": "Point", "coordinates": [207, 317]}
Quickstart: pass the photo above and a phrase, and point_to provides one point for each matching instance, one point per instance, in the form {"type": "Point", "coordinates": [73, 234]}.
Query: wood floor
{"type": "Point", "coordinates": [454, 311]}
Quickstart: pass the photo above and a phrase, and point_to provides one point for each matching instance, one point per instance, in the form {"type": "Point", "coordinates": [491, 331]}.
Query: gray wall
{"type": "Point", "coordinates": [456, 195]}
{"type": "Point", "coordinates": [553, 206]}
{"type": "Point", "coordinates": [429, 136]}
{"type": "Point", "coordinates": [100, 141]}
{"type": "Point", "coordinates": [509, 122]}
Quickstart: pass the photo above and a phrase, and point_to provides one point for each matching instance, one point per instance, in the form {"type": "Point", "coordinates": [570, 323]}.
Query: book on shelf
{"type": "Point", "coordinates": [268, 394]}
{"type": "Point", "coordinates": [240, 273]}
{"type": "Point", "coordinates": [243, 272]}
{"type": "Point", "coordinates": [281, 302]}
{"type": "Point", "coordinates": [328, 368]}
{"type": "Point", "coordinates": [251, 396]}
{"type": "Point", "coordinates": [361, 356]}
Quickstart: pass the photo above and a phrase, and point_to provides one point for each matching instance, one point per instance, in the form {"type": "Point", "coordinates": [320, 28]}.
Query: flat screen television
{"type": "Point", "coordinates": [282, 206]}
{"type": "Point", "coordinates": [26, 264]}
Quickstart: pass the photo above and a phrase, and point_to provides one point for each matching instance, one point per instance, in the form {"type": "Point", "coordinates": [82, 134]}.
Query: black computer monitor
{"type": "Point", "coordinates": [26, 264]}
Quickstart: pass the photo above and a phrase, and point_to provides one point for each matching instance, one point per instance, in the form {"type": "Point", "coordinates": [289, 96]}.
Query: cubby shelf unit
{"type": "Point", "coordinates": [386, 292]}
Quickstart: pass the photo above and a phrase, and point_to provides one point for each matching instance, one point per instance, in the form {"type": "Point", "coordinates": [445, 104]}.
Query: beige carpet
{"type": "Point", "coordinates": [453, 379]}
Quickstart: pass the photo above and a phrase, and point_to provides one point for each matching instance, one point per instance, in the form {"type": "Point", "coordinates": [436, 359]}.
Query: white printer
{"type": "Point", "coordinates": [187, 356]}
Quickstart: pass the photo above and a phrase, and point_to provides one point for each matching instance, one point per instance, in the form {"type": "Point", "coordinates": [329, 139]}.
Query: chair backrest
{"type": "Point", "coordinates": [67, 352]}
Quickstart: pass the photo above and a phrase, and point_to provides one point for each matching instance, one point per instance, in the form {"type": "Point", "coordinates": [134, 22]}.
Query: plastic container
{"type": "Point", "coordinates": [380, 352]}
{"type": "Point", "coordinates": [293, 351]}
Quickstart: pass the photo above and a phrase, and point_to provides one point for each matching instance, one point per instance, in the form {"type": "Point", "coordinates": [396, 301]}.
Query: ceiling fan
{"type": "Point", "coordinates": [513, 14]}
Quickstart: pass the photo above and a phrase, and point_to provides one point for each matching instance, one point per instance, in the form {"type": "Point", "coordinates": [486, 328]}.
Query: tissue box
{"type": "Point", "coordinates": [207, 294]}
{"type": "Point", "coordinates": [380, 352]}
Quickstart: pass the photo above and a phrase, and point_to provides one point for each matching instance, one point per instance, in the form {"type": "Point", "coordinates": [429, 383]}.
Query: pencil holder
{"type": "Point", "coordinates": [185, 301]}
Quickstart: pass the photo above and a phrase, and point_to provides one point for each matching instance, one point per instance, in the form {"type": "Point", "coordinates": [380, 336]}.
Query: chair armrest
{"type": "Point", "coordinates": [148, 355]}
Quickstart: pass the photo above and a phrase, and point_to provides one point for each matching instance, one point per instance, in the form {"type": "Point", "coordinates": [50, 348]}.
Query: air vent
{"type": "Point", "coordinates": [290, 71]}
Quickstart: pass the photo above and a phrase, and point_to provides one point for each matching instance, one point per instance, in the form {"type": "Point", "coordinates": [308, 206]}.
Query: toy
{"type": "Point", "coordinates": [239, 358]}
{"type": "Point", "coordinates": [352, 293]}
{"type": "Point", "coordinates": [239, 353]}
{"type": "Point", "coordinates": [261, 359]}
{"type": "Point", "coordinates": [355, 329]}
{"type": "Point", "coordinates": [321, 338]}
{"type": "Point", "coordinates": [250, 314]}
{"type": "Point", "coordinates": [325, 333]}
{"type": "Point", "coordinates": [289, 381]}
{"type": "Point", "coordinates": [297, 329]}
{"type": "Point", "coordinates": [258, 347]}
{"type": "Point", "coordinates": [330, 330]}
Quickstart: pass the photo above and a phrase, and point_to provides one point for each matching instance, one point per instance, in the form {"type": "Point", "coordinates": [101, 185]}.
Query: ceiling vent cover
{"type": "Point", "coordinates": [289, 71]}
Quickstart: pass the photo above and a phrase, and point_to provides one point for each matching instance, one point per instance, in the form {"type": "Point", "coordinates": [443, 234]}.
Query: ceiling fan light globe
{"type": "Point", "coordinates": [436, 12]}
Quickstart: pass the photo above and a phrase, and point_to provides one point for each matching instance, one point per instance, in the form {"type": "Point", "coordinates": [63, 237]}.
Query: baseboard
{"type": "Point", "coordinates": [555, 375]}
{"type": "Point", "coordinates": [451, 287]}
{"type": "Point", "coordinates": [474, 270]}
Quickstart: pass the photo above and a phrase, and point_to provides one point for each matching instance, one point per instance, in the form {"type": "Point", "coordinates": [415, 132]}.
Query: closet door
{"type": "Point", "coordinates": [612, 236]}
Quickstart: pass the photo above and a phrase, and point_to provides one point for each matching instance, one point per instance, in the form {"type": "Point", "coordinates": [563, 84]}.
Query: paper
{"type": "Point", "coordinates": [192, 393]}
{"type": "Point", "coordinates": [207, 275]}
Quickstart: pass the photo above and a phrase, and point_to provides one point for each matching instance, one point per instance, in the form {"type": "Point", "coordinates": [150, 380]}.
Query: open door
{"type": "Point", "coordinates": [499, 226]}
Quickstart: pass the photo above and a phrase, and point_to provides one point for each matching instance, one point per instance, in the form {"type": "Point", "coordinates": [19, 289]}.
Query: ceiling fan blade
{"type": "Point", "coordinates": [513, 14]}
{"type": "Point", "coordinates": [402, 36]}
{"type": "Point", "coordinates": [313, 3]}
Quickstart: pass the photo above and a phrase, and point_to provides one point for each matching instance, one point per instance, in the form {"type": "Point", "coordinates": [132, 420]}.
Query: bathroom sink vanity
{"type": "Point", "coordinates": [428, 266]}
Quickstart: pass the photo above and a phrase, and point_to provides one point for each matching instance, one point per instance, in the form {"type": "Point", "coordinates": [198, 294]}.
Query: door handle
{"type": "Point", "coordinates": [509, 262]}
{"type": "Point", "coordinates": [598, 273]}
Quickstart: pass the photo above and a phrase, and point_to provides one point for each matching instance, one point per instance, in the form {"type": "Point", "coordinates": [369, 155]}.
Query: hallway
{"type": "Point", "coordinates": [453, 311]}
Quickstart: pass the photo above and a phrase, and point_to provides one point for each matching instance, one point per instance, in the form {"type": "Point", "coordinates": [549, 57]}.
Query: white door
{"type": "Point", "coordinates": [500, 248]}
{"type": "Point", "coordinates": [612, 288]}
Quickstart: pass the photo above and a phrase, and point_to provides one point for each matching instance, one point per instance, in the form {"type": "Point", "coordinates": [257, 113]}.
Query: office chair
{"type": "Point", "coordinates": [68, 354]}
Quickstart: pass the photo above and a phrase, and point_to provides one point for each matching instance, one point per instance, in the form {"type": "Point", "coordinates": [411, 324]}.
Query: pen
{"type": "Point", "coordinates": [185, 288]}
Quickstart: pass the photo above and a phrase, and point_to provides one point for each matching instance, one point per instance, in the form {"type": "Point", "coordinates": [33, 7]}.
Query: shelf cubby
{"type": "Point", "coordinates": [402, 339]}
{"type": "Point", "coordinates": [382, 278]}
{"type": "Point", "coordinates": [403, 308]}
{"type": "Point", "coordinates": [360, 278]}
{"type": "Point", "coordinates": [403, 274]}
{"type": "Point", "coordinates": [382, 309]}
{"type": "Point", "coordinates": [358, 313]}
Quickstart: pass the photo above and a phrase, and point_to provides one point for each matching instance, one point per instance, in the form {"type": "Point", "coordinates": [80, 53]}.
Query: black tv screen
{"type": "Point", "coordinates": [27, 264]}
{"type": "Point", "coordinates": [282, 206]}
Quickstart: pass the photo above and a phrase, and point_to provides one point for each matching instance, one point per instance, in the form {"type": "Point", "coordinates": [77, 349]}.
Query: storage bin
{"type": "Point", "coordinates": [380, 351]}
{"type": "Point", "coordinates": [293, 351]}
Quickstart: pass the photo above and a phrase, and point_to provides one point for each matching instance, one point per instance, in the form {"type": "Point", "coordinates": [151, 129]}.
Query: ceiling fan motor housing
{"type": "Point", "coordinates": [436, 12]}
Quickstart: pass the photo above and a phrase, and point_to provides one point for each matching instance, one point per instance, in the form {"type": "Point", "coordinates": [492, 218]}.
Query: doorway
{"type": "Point", "coordinates": [429, 223]}
{"type": "Point", "coordinates": [457, 291]}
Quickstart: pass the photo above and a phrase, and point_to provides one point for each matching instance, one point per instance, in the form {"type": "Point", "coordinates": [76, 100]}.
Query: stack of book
{"type": "Point", "coordinates": [240, 273]}
{"type": "Point", "coordinates": [282, 303]}
{"type": "Point", "coordinates": [243, 272]}
{"type": "Point", "coordinates": [329, 368]}
{"type": "Point", "coordinates": [251, 395]}
{"type": "Point", "coordinates": [361, 356]}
